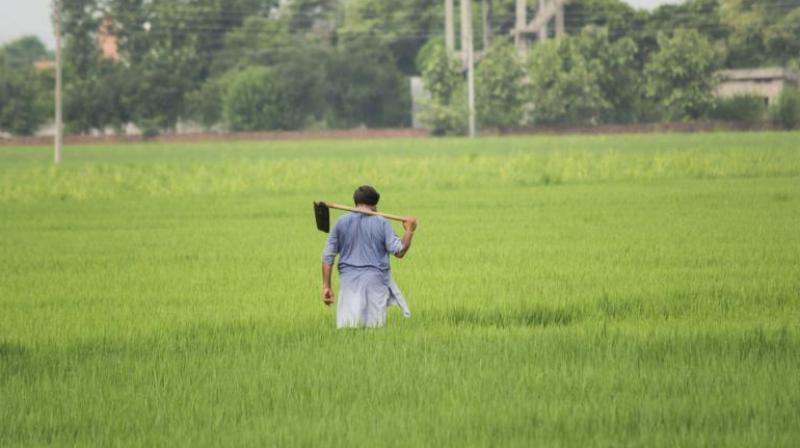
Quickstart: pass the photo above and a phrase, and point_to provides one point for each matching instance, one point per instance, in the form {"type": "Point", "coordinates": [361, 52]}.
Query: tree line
{"type": "Point", "coordinates": [251, 65]}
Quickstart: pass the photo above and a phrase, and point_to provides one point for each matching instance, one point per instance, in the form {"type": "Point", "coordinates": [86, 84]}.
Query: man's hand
{"type": "Point", "coordinates": [327, 295]}
{"type": "Point", "coordinates": [410, 223]}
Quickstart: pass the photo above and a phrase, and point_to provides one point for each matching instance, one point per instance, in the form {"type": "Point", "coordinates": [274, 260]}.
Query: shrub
{"type": "Point", "coordinates": [680, 75]}
{"type": "Point", "coordinates": [500, 87]}
{"type": "Point", "coordinates": [205, 104]}
{"type": "Point", "coordinates": [253, 101]}
{"type": "Point", "coordinates": [445, 111]}
{"type": "Point", "coordinates": [787, 110]}
{"type": "Point", "coordinates": [748, 108]}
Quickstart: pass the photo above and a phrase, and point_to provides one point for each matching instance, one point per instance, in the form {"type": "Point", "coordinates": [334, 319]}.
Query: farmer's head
{"type": "Point", "coordinates": [366, 195]}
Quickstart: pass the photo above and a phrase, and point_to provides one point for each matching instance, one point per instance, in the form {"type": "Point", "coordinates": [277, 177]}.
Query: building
{"type": "Point", "coordinates": [107, 40]}
{"type": "Point", "coordinates": [766, 83]}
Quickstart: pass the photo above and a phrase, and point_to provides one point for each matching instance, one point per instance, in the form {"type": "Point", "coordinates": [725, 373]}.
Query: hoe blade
{"type": "Point", "coordinates": [323, 216]}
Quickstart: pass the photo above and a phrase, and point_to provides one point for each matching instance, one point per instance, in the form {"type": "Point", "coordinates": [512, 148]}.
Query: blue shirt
{"type": "Point", "coordinates": [362, 242]}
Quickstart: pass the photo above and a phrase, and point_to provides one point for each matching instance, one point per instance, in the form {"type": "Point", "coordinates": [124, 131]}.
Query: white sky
{"type": "Point", "coordinates": [24, 17]}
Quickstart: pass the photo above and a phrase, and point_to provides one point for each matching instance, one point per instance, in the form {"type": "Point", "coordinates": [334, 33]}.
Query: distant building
{"type": "Point", "coordinates": [766, 83]}
{"type": "Point", "coordinates": [107, 40]}
{"type": "Point", "coordinates": [45, 65]}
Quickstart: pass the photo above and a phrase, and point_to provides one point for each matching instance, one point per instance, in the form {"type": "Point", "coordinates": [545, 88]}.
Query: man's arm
{"type": "Point", "coordinates": [327, 293]}
{"type": "Point", "coordinates": [410, 225]}
{"type": "Point", "coordinates": [328, 256]}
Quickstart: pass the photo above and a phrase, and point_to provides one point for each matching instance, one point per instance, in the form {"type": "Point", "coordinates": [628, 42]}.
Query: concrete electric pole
{"type": "Point", "coordinates": [467, 50]}
{"type": "Point", "coordinates": [488, 20]}
{"type": "Point", "coordinates": [449, 29]}
{"type": "Point", "coordinates": [59, 125]}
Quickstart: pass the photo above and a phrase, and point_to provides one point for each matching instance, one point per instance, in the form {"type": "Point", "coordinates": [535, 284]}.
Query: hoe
{"type": "Point", "coordinates": [323, 215]}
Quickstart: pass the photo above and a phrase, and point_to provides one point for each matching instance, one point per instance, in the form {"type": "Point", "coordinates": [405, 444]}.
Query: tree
{"type": "Point", "coordinates": [782, 39]}
{"type": "Point", "coordinates": [761, 31]}
{"type": "Point", "coordinates": [401, 26]}
{"type": "Point", "coordinates": [259, 41]}
{"type": "Point", "coordinates": [787, 111]}
{"type": "Point", "coordinates": [97, 101]}
{"type": "Point", "coordinates": [680, 76]}
{"type": "Point", "coordinates": [169, 47]}
{"type": "Point", "coordinates": [441, 74]}
{"type": "Point", "coordinates": [440, 71]}
{"type": "Point", "coordinates": [613, 66]}
{"type": "Point", "coordinates": [365, 87]}
{"type": "Point", "coordinates": [253, 101]}
{"type": "Point", "coordinates": [703, 16]}
{"type": "Point", "coordinates": [565, 87]}
{"type": "Point", "coordinates": [616, 16]}
{"type": "Point", "coordinates": [205, 104]}
{"type": "Point", "coordinates": [499, 83]}
{"type": "Point", "coordinates": [23, 106]}
{"type": "Point", "coordinates": [23, 52]}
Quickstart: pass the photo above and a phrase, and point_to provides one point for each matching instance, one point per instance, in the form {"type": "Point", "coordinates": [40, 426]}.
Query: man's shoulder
{"type": "Point", "coordinates": [370, 220]}
{"type": "Point", "coordinates": [347, 217]}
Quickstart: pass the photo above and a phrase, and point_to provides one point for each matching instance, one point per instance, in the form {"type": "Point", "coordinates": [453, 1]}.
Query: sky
{"type": "Point", "coordinates": [25, 17]}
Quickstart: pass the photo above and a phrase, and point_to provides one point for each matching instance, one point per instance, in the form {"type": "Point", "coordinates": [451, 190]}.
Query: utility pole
{"type": "Point", "coordinates": [542, 33]}
{"type": "Point", "coordinates": [467, 50]}
{"type": "Point", "coordinates": [488, 19]}
{"type": "Point", "coordinates": [59, 125]}
{"type": "Point", "coordinates": [520, 24]}
{"type": "Point", "coordinates": [560, 20]}
{"type": "Point", "coordinates": [449, 29]}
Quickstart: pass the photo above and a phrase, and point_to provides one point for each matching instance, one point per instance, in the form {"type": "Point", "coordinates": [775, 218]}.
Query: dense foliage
{"type": "Point", "coordinates": [746, 108]}
{"type": "Point", "coordinates": [345, 63]}
{"type": "Point", "coordinates": [24, 100]}
{"type": "Point", "coordinates": [787, 111]}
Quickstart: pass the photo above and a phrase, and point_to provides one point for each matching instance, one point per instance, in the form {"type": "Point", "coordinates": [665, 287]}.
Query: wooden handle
{"type": "Point", "coordinates": [365, 212]}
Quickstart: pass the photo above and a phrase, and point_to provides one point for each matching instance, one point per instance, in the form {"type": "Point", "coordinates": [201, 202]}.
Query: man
{"type": "Point", "coordinates": [364, 243]}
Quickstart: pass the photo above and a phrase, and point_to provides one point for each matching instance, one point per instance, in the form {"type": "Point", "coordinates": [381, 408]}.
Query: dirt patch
{"type": "Point", "coordinates": [363, 134]}
{"type": "Point", "coordinates": [644, 128]}
{"type": "Point", "coordinates": [349, 134]}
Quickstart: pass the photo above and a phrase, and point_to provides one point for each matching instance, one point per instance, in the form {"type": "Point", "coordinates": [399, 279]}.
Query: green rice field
{"type": "Point", "coordinates": [566, 291]}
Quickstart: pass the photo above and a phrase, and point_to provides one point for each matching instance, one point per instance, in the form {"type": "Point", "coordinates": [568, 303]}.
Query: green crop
{"type": "Point", "coordinates": [565, 291]}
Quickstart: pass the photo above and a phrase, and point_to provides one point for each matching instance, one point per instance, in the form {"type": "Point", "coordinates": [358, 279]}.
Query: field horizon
{"type": "Point", "coordinates": [625, 290]}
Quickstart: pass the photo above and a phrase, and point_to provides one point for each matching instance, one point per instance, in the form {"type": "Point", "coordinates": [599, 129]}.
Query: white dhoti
{"type": "Point", "coordinates": [364, 297]}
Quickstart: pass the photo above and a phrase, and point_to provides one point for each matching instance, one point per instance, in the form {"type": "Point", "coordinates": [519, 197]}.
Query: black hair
{"type": "Point", "coordinates": [367, 195]}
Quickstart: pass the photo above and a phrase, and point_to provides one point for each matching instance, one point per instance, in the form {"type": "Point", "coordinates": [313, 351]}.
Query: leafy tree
{"type": "Point", "coordinates": [169, 47]}
{"type": "Point", "coordinates": [304, 84]}
{"type": "Point", "coordinates": [23, 105]}
{"type": "Point", "coordinates": [259, 41]}
{"type": "Point", "coordinates": [401, 26]}
{"type": "Point", "coordinates": [787, 111]}
{"type": "Point", "coordinates": [311, 16]}
{"type": "Point", "coordinates": [365, 87]}
{"type": "Point", "coordinates": [614, 69]}
{"type": "Point", "coordinates": [441, 74]}
{"type": "Point", "coordinates": [253, 101]}
{"type": "Point", "coordinates": [573, 80]}
{"type": "Point", "coordinates": [746, 108]}
{"type": "Point", "coordinates": [97, 101]}
{"type": "Point", "coordinates": [680, 76]}
{"type": "Point", "coordinates": [616, 16]}
{"type": "Point", "coordinates": [761, 31]}
{"type": "Point", "coordinates": [269, 98]}
{"type": "Point", "coordinates": [205, 104]}
{"type": "Point", "coordinates": [703, 16]}
{"type": "Point", "coordinates": [499, 83]}
{"type": "Point", "coordinates": [440, 71]}
{"type": "Point", "coordinates": [782, 39]}
{"type": "Point", "coordinates": [24, 51]}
